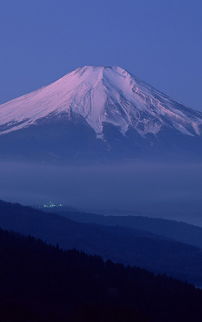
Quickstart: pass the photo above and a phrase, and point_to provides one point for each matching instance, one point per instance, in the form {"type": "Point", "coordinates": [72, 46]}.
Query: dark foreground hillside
{"type": "Point", "coordinates": [119, 244]}
{"type": "Point", "coordinates": [42, 283]}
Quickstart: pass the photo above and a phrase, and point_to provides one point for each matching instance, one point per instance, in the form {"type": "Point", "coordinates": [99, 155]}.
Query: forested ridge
{"type": "Point", "coordinates": [40, 282]}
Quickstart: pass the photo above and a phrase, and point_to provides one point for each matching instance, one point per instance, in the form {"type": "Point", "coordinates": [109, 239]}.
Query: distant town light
{"type": "Point", "coordinates": [51, 204]}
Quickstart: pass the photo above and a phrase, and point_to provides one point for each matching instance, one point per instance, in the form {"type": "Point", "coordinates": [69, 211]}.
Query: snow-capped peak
{"type": "Point", "coordinates": [101, 95]}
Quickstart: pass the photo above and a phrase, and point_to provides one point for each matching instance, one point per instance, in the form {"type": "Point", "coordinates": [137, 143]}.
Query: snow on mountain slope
{"type": "Point", "coordinates": [101, 95]}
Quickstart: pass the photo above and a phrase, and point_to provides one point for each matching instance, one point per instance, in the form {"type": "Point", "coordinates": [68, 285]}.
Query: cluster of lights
{"type": "Point", "coordinates": [51, 204]}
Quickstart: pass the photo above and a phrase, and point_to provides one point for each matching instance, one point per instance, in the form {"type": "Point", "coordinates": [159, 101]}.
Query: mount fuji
{"type": "Point", "coordinates": [98, 113]}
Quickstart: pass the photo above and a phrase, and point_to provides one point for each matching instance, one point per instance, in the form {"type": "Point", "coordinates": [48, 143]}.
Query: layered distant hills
{"type": "Point", "coordinates": [140, 244]}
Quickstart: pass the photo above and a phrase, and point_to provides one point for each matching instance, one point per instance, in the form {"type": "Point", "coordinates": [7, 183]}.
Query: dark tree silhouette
{"type": "Point", "coordinates": [39, 283]}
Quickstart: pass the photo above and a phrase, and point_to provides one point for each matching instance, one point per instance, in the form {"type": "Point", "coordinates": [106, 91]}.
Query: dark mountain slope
{"type": "Point", "coordinates": [124, 245]}
{"type": "Point", "coordinates": [179, 231]}
{"type": "Point", "coordinates": [42, 283]}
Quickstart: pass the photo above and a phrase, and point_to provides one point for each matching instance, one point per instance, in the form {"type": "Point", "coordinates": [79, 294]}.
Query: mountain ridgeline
{"type": "Point", "coordinates": [126, 245]}
{"type": "Point", "coordinates": [171, 229]}
{"type": "Point", "coordinates": [42, 283]}
{"type": "Point", "coordinates": [98, 113]}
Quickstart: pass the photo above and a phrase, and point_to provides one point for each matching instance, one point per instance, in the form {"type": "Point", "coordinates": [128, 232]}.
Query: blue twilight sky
{"type": "Point", "coordinates": [158, 40]}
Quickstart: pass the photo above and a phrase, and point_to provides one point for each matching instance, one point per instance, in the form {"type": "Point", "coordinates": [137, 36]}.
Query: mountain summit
{"type": "Point", "coordinates": [101, 108]}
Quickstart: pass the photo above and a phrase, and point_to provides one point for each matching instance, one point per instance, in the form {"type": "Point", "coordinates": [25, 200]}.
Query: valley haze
{"type": "Point", "coordinates": [158, 190]}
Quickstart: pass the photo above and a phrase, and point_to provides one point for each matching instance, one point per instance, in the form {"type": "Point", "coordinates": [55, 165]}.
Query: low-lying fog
{"type": "Point", "coordinates": [159, 190]}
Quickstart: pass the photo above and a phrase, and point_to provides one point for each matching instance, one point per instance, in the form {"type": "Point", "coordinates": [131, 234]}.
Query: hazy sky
{"type": "Point", "coordinates": [158, 40]}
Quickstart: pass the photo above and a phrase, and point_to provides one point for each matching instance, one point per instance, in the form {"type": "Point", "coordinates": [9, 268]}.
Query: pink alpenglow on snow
{"type": "Point", "coordinates": [101, 95]}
